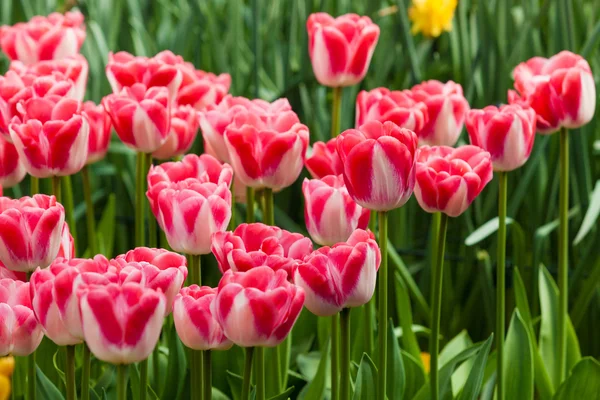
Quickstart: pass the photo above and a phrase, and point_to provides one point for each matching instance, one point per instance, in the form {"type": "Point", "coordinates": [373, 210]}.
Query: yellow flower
{"type": "Point", "coordinates": [425, 359]}
{"type": "Point", "coordinates": [431, 17]}
{"type": "Point", "coordinates": [7, 366]}
{"type": "Point", "coordinates": [4, 387]}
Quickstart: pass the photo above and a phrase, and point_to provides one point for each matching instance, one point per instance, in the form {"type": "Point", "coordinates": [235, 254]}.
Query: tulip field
{"type": "Point", "coordinates": [271, 200]}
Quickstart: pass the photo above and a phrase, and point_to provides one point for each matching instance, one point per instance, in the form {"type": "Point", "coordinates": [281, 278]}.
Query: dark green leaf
{"type": "Point", "coordinates": [518, 356]}
{"type": "Point", "coordinates": [44, 388]}
{"type": "Point", "coordinates": [177, 369]}
{"type": "Point", "coordinates": [396, 378]}
{"type": "Point", "coordinates": [583, 383]}
{"type": "Point", "coordinates": [365, 386]}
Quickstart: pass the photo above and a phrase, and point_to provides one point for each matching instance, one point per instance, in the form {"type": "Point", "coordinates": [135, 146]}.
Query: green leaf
{"type": "Point", "coordinates": [414, 372]}
{"type": "Point", "coordinates": [591, 215]}
{"type": "Point", "coordinates": [549, 324]}
{"type": "Point", "coordinates": [409, 339]}
{"type": "Point", "coordinates": [44, 388]}
{"type": "Point", "coordinates": [55, 362]}
{"type": "Point", "coordinates": [518, 356]}
{"type": "Point", "coordinates": [396, 378]}
{"type": "Point", "coordinates": [316, 387]}
{"type": "Point", "coordinates": [396, 263]}
{"type": "Point", "coordinates": [473, 385]}
{"type": "Point", "coordinates": [366, 380]}
{"type": "Point", "coordinates": [573, 351]}
{"type": "Point", "coordinates": [583, 383]}
{"type": "Point", "coordinates": [235, 384]}
{"type": "Point", "coordinates": [459, 343]}
{"type": "Point", "coordinates": [284, 395]}
{"type": "Point", "coordinates": [484, 231]}
{"type": "Point", "coordinates": [134, 381]}
{"type": "Point", "coordinates": [106, 227]}
{"type": "Point", "coordinates": [177, 367]}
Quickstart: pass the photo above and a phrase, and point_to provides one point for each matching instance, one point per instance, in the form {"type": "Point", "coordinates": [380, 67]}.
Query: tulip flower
{"type": "Point", "coordinates": [379, 161]}
{"type": "Point", "coordinates": [100, 129]}
{"type": "Point", "coordinates": [340, 48]}
{"type": "Point", "coordinates": [239, 189]}
{"type": "Point", "coordinates": [12, 170]}
{"type": "Point", "coordinates": [560, 89]}
{"type": "Point", "coordinates": [31, 230]}
{"type": "Point", "coordinates": [121, 323]}
{"type": "Point", "coordinates": [140, 116]}
{"type": "Point", "coordinates": [258, 307]}
{"type": "Point", "coordinates": [507, 133]}
{"type": "Point", "coordinates": [340, 276]}
{"type": "Point", "coordinates": [383, 105]}
{"type": "Point", "coordinates": [446, 112]}
{"type": "Point", "coordinates": [15, 276]}
{"type": "Point", "coordinates": [251, 245]}
{"type": "Point", "coordinates": [184, 127]}
{"type": "Point", "coordinates": [54, 37]}
{"type": "Point", "coordinates": [324, 160]}
{"type": "Point", "coordinates": [194, 320]}
{"type": "Point", "coordinates": [20, 332]}
{"type": "Point", "coordinates": [51, 136]}
{"type": "Point", "coordinates": [330, 214]}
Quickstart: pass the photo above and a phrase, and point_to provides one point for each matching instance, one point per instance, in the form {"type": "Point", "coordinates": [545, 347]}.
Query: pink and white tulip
{"type": "Point", "coordinates": [12, 170]}
{"type": "Point", "coordinates": [100, 130]}
{"type": "Point", "coordinates": [323, 160]}
{"type": "Point", "coordinates": [184, 128]}
{"type": "Point", "coordinates": [396, 106]}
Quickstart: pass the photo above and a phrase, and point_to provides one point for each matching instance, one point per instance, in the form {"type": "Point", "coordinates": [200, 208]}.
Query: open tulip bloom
{"type": "Point", "coordinates": [323, 159]}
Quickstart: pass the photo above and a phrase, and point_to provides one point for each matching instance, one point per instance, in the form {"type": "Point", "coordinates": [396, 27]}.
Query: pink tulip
{"type": "Point", "coordinates": [340, 276]}
{"type": "Point", "coordinates": [560, 89]}
{"type": "Point", "coordinates": [396, 106]}
{"type": "Point", "coordinates": [30, 231]}
{"type": "Point", "coordinates": [194, 320]}
{"type": "Point", "coordinates": [379, 161]}
{"type": "Point", "coordinates": [100, 129]}
{"type": "Point", "coordinates": [449, 179]}
{"type": "Point", "coordinates": [507, 133]}
{"type": "Point", "coordinates": [6, 273]}
{"type": "Point", "coordinates": [446, 111]}
{"type": "Point", "coordinates": [330, 213]}
{"type": "Point", "coordinates": [258, 307]}
{"type": "Point", "coordinates": [20, 333]}
{"type": "Point", "coordinates": [184, 127]}
{"type": "Point", "coordinates": [239, 189]}
{"type": "Point", "coordinates": [54, 37]}
{"type": "Point", "coordinates": [252, 245]}
{"type": "Point", "coordinates": [66, 249]}
{"type": "Point", "coordinates": [12, 170]}
{"type": "Point", "coordinates": [340, 48]}
{"type": "Point", "coordinates": [121, 323]}
{"type": "Point", "coordinates": [140, 116]}
{"type": "Point", "coordinates": [324, 160]}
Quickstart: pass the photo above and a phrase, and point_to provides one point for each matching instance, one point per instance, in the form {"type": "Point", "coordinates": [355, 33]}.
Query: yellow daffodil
{"type": "Point", "coordinates": [7, 366]}
{"type": "Point", "coordinates": [431, 17]}
{"type": "Point", "coordinates": [4, 387]}
{"type": "Point", "coordinates": [425, 359]}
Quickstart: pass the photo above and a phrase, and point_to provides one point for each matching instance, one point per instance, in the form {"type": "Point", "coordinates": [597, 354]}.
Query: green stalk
{"type": "Point", "coordinates": [143, 379]}
{"type": "Point", "coordinates": [70, 373]}
{"type": "Point", "coordinates": [140, 188]}
{"type": "Point", "coordinates": [152, 236]}
{"type": "Point", "coordinates": [195, 355]}
{"type": "Point", "coordinates": [336, 111]}
{"type": "Point", "coordinates": [34, 185]}
{"type": "Point", "coordinates": [85, 374]}
{"type": "Point", "coordinates": [247, 374]}
{"type": "Point", "coordinates": [56, 188]}
{"type": "Point", "coordinates": [268, 215]}
{"type": "Point", "coordinates": [345, 354]}
{"type": "Point", "coordinates": [121, 382]}
{"type": "Point", "coordinates": [370, 304]}
{"type": "Point", "coordinates": [434, 344]}
{"type": "Point", "coordinates": [31, 376]}
{"type": "Point", "coordinates": [67, 200]}
{"type": "Point", "coordinates": [89, 211]}
{"type": "Point", "coordinates": [335, 355]}
{"type": "Point", "coordinates": [207, 375]}
{"type": "Point", "coordinates": [260, 373]}
{"type": "Point", "coordinates": [500, 284]}
{"type": "Point", "coordinates": [383, 297]}
{"type": "Point", "coordinates": [249, 205]}
{"type": "Point", "coordinates": [563, 257]}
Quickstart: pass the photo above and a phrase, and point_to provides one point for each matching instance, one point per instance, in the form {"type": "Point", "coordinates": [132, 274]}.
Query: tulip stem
{"type": "Point", "coordinates": [195, 278]}
{"type": "Point", "coordinates": [260, 373]}
{"type": "Point", "coordinates": [247, 373]}
{"type": "Point", "coordinates": [70, 373]}
{"type": "Point", "coordinates": [500, 284]}
{"type": "Point", "coordinates": [268, 215]}
{"type": "Point", "coordinates": [345, 354]}
{"type": "Point", "coordinates": [207, 375]}
{"type": "Point", "coordinates": [34, 185]}
{"type": "Point", "coordinates": [85, 373]}
{"type": "Point", "coordinates": [89, 211]}
{"type": "Point", "coordinates": [143, 379]}
{"type": "Point", "coordinates": [249, 205]}
{"type": "Point", "coordinates": [56, 188]}
{"type": "Point", "coordinates": [67, 200]}
{"type": "Point", "coordinates": [121, 382]}
{"type": "Point", "coordinates": [152, 236]}
{"type": "Point", "coordinates": [335, 355]}
{"type": "Point", "coordinates": [140, 187]}
{"type": "Point", "coordinates": [437, 275]}
{"type": "Point", "coordinates": [563, 256]}
{"type": "Point", "coordinates": [31, 375]}
{"type": "Point", "coordinates": [370, 303]}
{"type": "Point", "coordinates": [383, 306]}
{"type": "Point", "coordinates": [336, 111]}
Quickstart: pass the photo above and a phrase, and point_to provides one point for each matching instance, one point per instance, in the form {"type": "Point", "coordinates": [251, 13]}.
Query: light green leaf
{"type": "Point", "coordinates": [396, 378]}
{"type": "Point", "coordinates": [44, 388]}
{"type": "Point", "coordinates": [485, 230]}
{"type": "Point", "coordinates": [177, 367]}
{"type": "Point", "coordinates": [549, 324]}
{"type": "Point", "coordinates": [366, 380]}
{"type": "Point", "coordinates": [518, 356]}
{"type": "Point", "coordinates": [316, 387]}
{"type": "Point", "coordinates": [415, 374]}
{"type": "Point", "coordinates": [472, 387]}
{"type": "Point", "coordinates": [583, 383]}
{"type": "Point", "coordinates": [591, 215]}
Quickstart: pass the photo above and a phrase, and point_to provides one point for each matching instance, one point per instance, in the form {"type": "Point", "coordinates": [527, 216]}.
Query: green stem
{"type": "Point", "coordinates": [196, 374]}
{"type": "Point", "coordinates": [335, 355]}
{"type": "Point", "coordinates": [371, 303]}
{"type": "Point", "coordinates": [247, 374]}
{"type": "Point", "coordinates": [89, 211]}
{"type": "Point", "coordinates": [268, 215]}
{"type": "Point", "coordinates": [70, 373]}
{"type": "Point", "coordinates": [435, 229]}
{"type": "Point", "coordinates": [500, 284]}
{"type": "Point", "coordinates": [336, 111]}
{"type": "Point", "coordinates": [156, 369]}
{"type": "Point", "coordinates": [232, 220]}
{"type": "Point", "coordinates": [121, 382]}
{"type": "Point", "coordinates": [383, 304]}
{"type": "Point", "coordinates": [249, 205]}
{"type": "Point", "coordinates": [152, 235]}
{"type": "Point", "coordinates": [34, 185]}
{"type": "Point", "coordinates": [143, 379]}
{"type": "Point", "coordinates": [436, 308]}
{"type": "Point", "coordinates": [31, 376]}
{"type": "Point", "coordinates": [85, 373]}
{"type": "Point", "coordinates": [563, 257]}
{"type": "Point", "coordinates": [67, 200]}
{"type": "Point", "coordinates": [260, 373]}
{"type": "Point", "coordinates": [56, 188]}
{"type": "Point", "coordinates": [207, 375]}
{"type": "Point", "coordinates": [140, 188]}
{"type": "Point", "coordinates": [345, 354]}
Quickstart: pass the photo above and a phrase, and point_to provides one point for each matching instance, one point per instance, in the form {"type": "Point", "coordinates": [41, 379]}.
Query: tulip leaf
{"type": "Point", "coordinates": [591, 215]}
{"type": "Point", "coordinates": [366, 380]}
{"type": "Point", "coordinates": [56, 363]}
{"type": "Point", "coordinates": [473, 384]}
{"type": "Point", "coordinates": [519, 361]}
{"type": "Point", "coordinates": [134, 381]}
{"type": "Point", "coordinates": [177, 367]}
{"type": "Point", "coordinates": [409, 339]}
{"type": "Point", "coordinates": [317, 385]}
{"type": "Point", "coordinates": [414, 374]}
{"type": "Point", "coordinates": [235, 384]}
{"type": "Point", "coordinates": [396, 377]}
{"type": "Point", "coordinates": [484, 231]}
{"type": "Point", "coordinates": [44, 388]}
{"type": "Point", "coordinates": [582, 383]}
{"type": "Point", "coordinates": [284, 395]}
{"type": "Point", "coordinates": [106, 227]}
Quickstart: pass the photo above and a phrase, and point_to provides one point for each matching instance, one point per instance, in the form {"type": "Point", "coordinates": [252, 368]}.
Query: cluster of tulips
{"type": "Point", "coordinates": [403, 143]}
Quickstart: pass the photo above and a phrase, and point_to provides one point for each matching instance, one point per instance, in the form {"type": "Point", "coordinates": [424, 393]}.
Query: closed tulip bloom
{"type": "Point", "coordinates": [14, 275]}
{"type": "Point", "coordinates": [396, 106]}
{"type": "Point", "coordinates": [140, 116]}
{"type": "Point", "coordinates": [257, 244]}
{"type": "Point", "coordinates": [184, 127]}
{"type": "Point", "coordinates": [12, 170]}
{"type": "Point", "coordinates": [121, 323]}
{"type": "Point", "coordinates": [267, 150]}
{"type": "Point", "coordinates": [341, 48]}
{"type": "Point", "coordinates": [560, 89]}
{"type": "Point", "coordinates": [51, 136]}
{"type": "Point", "coordinates": [507, 133]}
{"type": "Point", "coordinates": [258, 307]}
{"type": "Point", "coordinates": [54, 37]}
{"type": "Point", "coordinates": [100, 130]}
{"type": "Point", "coordinates": [379, 164]}
{"type": "Point", "coordinates": [30, 231]}
{"type": "Point", "coordinates": [324, 160]}
{"type": "Point", "coordinates": [340, 276]}
{"type": "Point", "coordinates": [446, 111]}
{"type": "Point", "coordinates": [449, 179]}
{"type": "Point", "coordinates": [195, 323]}
{"type": "Point", "coordinates": [20, 333]}
{"type": "Point", "coordinates": [330, 213]}
{"type": "Point", "coordinates": [67, 244]}
{"type": "Point", "coordinates": [239, 189]}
